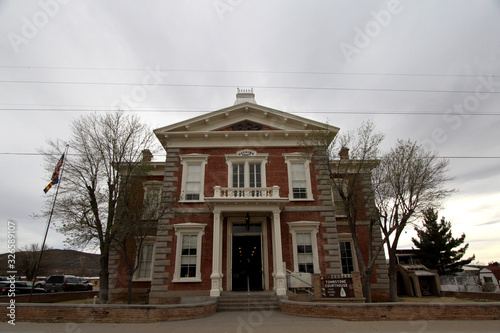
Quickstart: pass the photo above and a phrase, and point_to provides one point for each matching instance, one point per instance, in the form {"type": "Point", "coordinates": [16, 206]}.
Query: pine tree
{"type": "Point", "coordinates": [437, 245]}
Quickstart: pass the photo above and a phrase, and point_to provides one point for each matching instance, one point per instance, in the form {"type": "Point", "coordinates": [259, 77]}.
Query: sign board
{"type": "Point", "coordinates": [338, 287]}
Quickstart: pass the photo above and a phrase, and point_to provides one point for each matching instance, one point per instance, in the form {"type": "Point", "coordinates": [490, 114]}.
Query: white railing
{"type": "Point", "coordinates": [247, 192]}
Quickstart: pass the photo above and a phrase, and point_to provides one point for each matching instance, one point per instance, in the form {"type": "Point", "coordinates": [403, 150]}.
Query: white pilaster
{"type": "Point", "coordinates": [280, 277]}
{"type": "Point", "coordinates": [216, 275]}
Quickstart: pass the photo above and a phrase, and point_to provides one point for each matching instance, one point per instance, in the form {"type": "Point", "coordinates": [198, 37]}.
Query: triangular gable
{"type": "Point", "coordinates": [254, 124]}
{"type": "Point", "coordinates": [225, 118]}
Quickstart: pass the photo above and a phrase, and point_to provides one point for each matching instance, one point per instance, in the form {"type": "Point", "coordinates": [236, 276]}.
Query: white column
{"type": "Point", "coordinates": [280, 277]}
{"type": "Point", "coordinates": [216, 275]}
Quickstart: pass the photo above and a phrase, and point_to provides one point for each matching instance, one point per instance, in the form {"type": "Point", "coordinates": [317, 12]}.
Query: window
{"type": "Point", "coordinates": [255, 175]}
{"type": "Point", "coordinates": [340, 184]}
{"type": "Point", "coordinates": [193, 177]}
{"type": "Point", "coordinates": [305, 247]}
{"type": "Point", "coordinates": [299, 180]}
{"type": "Point", "coordinates": [145, 269]}
{"type": "Point", "coordinates": [151, 205]}
{"type": "Point", "coordinates": [238, 175]}
{"type": "Point", "coordinates": [346, 257]}
{"type": "Point", "coordinates": [487, 279]}
{"type": "Point", "coordinates": [299, 185]}
{"type": "Point", "coordinates": [246, 171]}
{"type": "Point", "coordinates": [189, 256]}
{"type": "Point", "coordinates": [304, 253]}
{"type": "Point", "coordinates": [188, 252]}
{"type": "Point", "coordinates": [193, 182]}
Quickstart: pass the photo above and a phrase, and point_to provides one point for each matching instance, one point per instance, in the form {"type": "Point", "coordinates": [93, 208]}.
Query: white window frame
{"type": "Point", "coordinates": [305, 227]}
{"type": "Point", "coordinates": [147, 241]}
{"type": "Point", "coordinates": [246, 160]}
{"type": "Point", "coordinates": [182, 229]}
{"type": "Point", "coordinates": [302, 159]}
{"type": "Point", "coordinates": [346, 237]}
{"type": "Point", "coordinates": [194, 159]}
{"type": "Point", "coordinates": [148, 186]}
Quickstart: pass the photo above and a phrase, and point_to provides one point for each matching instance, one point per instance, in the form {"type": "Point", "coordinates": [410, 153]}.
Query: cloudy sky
{"type": "Point", "coordinates": [423, 70]}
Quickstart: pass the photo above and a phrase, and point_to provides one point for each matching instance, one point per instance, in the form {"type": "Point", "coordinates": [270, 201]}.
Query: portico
{"type": "Point", "coordinates": [260, 208]}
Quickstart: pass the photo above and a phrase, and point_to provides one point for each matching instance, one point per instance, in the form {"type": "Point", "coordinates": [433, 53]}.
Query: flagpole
{"type": "Point", "coordinates": [48, 224]}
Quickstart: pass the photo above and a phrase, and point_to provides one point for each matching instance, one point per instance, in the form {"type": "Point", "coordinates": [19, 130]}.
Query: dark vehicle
{"type": "Point", "coordinates": [76, 284]}
{"type": "Point", "coordinates": [55, 282]}
{"type": "Point", "coordinates": [67, 283]}
{"type": "Point", "coordinates": [86, 284]}
{"type": "Point", "coordinates": [20, 287]}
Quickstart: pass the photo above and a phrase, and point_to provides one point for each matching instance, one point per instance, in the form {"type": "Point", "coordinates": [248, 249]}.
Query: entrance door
{"type": "Point", "coordinates": [247, 263]}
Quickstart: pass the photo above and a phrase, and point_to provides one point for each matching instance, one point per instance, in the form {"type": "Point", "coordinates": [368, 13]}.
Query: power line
{"type": "Point", "coordinates": [169, 110]}
{"type": "Point", "coordinates": [162, 155]}
{"type": "Point", "coordinates": [232, 86]}
{"type": "Point", "coordinates": [248, 71]}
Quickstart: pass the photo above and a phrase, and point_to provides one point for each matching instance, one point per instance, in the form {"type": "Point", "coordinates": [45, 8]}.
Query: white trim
{"type": "Point", "coordinates": [196, 159]}
{"type": "Point", "coordinates": [306, 160]}
{"type": "Point", "coordinates": [305, 227]}
{"type": "Point", "coordinates": [182, 229]}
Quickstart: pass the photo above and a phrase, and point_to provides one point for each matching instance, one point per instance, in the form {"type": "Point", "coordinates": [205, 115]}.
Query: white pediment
{"type": "Point", "coordinates": [247, 121]}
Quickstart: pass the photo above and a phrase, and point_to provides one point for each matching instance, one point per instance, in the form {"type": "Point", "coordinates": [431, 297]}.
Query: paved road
{"type": "Point", "coordinates": [253, 322]}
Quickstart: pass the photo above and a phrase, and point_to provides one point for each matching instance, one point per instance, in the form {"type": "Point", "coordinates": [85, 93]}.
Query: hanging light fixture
{"type": "Point", "coordinates": [247, 222]}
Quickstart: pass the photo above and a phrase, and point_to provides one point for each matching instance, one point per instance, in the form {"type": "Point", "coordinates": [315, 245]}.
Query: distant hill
{"type": "Point", "coordinates": [59, 262]}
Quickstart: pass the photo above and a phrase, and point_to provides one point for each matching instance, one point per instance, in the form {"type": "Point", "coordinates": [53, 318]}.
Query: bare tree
{"type": "Point", "coordinates": [87, 202]}
{"type": "Point", "coordinates": [409, 180]}
{"type": "Point", "coordinates": [350, 159]}
{"type": "Point", "coordinates": [27, 259]}
{"type": "Point", "coordinates": [140, 208]}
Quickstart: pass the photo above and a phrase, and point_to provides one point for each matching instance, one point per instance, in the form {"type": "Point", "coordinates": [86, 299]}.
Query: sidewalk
{"type": "Point", "coordinates": [243, 322]}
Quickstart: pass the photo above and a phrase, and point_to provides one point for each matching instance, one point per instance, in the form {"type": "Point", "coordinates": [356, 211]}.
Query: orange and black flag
{"type": "Point", "coordinates": [55, 175]}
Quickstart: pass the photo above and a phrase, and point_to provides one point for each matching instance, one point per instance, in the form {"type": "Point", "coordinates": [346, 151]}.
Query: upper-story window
{"type": "Point", "coordinates": [151, 205]}
{"type": "Point", "coordinates": [246, 170]}
{"type": "Point", "coordinates": [299, 179]}
{"type": "Point", "coordinates": [193, 177]}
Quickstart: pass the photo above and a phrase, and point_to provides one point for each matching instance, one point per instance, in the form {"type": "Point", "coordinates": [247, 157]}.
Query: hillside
{"type": "Point", "coordinates": [58, 262]}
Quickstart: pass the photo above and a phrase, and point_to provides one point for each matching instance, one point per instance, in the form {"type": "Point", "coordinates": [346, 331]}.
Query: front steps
{"type": "Point", "coordinates": [240, 301]}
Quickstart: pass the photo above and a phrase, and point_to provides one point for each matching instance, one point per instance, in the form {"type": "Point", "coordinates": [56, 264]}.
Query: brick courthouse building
{"type": "Point", "coordinates": [252, 208]}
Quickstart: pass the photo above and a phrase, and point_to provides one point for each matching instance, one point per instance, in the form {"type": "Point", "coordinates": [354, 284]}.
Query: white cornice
{"type": "Point", "coordinates": [207, 128]}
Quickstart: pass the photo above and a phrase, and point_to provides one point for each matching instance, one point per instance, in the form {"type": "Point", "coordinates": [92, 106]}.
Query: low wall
{"type": "Point", "coordinates": [51, 297]}
{"type": "Point", "coordinates": [107, 313]}
{"type": "Point", "coordinates": [471, 295]}
{"type": "Point", "coordinates": [394, 311]}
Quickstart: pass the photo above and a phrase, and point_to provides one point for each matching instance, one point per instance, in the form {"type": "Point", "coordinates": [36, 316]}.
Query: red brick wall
{"type": "Point", "coordinates": [59, 313]}
{"type": "Point", "coordinates": [479, 311]}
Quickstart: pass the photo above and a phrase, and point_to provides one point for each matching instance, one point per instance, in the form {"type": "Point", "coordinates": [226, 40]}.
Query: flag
{"type": "Point", "coordinates": [55, 175]}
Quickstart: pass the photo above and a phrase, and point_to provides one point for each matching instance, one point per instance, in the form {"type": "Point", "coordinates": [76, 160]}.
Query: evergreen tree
{"type": "Point", "coordinates": [437, 245]}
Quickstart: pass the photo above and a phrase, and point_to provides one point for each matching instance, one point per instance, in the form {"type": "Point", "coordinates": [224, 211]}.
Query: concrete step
{"type": "Point", "coordinates": [262, 302]}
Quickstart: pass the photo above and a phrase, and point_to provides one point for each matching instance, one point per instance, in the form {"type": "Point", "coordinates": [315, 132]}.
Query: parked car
{"type": "Point", "coordinates": [20, 287]}
{"type": "Point", "coordinates": [67, 283]}
{"type": "Point", "coordinates": [55, 282]}
{"type": "Point", "coordinates": [86, 284]}
{"type": "Point", "coordinates": [40, 284]}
